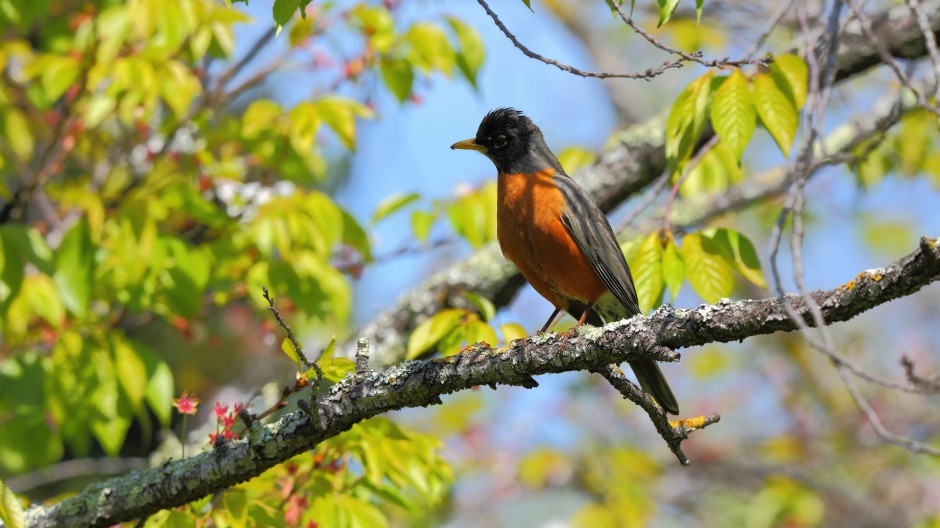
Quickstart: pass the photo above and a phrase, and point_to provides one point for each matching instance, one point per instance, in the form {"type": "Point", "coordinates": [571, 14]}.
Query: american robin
{"type": "Point", "coordinates": [557, 236]}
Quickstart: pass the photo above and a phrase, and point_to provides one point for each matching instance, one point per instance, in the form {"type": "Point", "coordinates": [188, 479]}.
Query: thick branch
{"type": "Point", "coordinates": [422, 383]}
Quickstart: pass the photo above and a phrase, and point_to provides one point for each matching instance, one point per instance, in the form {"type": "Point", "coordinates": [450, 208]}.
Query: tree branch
{"type": "Point", "coordinates": [422, 383]}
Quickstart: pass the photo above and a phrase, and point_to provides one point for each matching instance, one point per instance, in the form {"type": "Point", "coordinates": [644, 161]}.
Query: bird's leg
{"type": "Point", "coordinates": [574, 329]}
{"type": "Point", "coordinates": [548, 323]}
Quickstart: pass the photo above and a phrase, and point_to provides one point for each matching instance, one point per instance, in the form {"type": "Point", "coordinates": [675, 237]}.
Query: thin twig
{"type": "Point", "coordinates": [883, 432]}
{"type": "Point", "coordinates": [930, 40]}
{"type": "Point", "coordinates": [315, 389]}
{"type": "Point", "coordinates": [774, 21]}
{"type": "Point", "coordinates": [673, 433]}
{"type": "Point", "coordinates": [692, 57]}
{"type": "Point", "coordinates": [651, 196]}
{"type": "Point", "coordinates": [647, 75]}
{"type": "Point", "coordinates": [819, 93]}
{"type": "Point", "coordinates": [869, 32]}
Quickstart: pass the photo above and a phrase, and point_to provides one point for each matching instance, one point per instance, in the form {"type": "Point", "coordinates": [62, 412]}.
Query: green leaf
{"type": "Point", "coordinates": [673, 268]}
{"type": "Point", "coordinates": [398, 76]}
{"type": "Point", "coordinates": [573, 158]}
{"type": "Point", "coordinates": [486, 307]}
{"type": "Point", "coordinates": [792, 75]}
{"type": "Point", "coordinates": [733, 114]}
{"type": "Point", "coordinates": [708, 271]}
{"type": "Point", "coordinates": [355, 236]}
{"type": "Point", "coordinates": [12, 270]}
{"type": "Point", "coordinates": [287, 346]}
{"type": "Point", "coordinates": [11, 511]}
{"type": "Point", "coordinates": [421, 222]}
{"type": "Point", "coordinates": [75, 261]}
{"type": "Point", "coordinates": [393, 203]}
{"type": "Point", "coordinates": [159, 383]}
{"type": "Point", "coordinates": [740, 253]}
{"type": "Point", "coordinates": [528, 3]}
{"type": "Point", "coordinates": [335, 369]}
{"type": "Point", "coordinates": [432, 330]}
{"type": "Point", "coordinates": [471, 54]}
{"type": "Point", "coordinates": [699, 4]}
{"type": "Point", "coordinates": [776, 111]}
{"type": "Point", "coordinates": [111, 413]}
{"type": "Point", "coordinates": [283, 12]}
{"type": "Point", "coordinates": [131, 371]}
{"type": "Point", "coordinates": [666, 9]}
{"type": "Point", "coordinates": [648, 272]}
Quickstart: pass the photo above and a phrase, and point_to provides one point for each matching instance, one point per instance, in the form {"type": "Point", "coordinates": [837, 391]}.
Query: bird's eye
{"type": "Point", "coordinates": [500, 141]}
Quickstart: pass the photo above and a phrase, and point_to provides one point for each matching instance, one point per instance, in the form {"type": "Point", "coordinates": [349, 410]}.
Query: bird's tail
{"type": "Point", "coordinates": [653, 382]}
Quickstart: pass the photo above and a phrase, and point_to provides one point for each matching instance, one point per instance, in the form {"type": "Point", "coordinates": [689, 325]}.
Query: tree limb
{"type": "Point", "coordinates": [422, 383]}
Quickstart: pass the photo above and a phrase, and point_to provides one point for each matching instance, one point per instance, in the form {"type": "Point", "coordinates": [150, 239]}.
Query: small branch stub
{"type": "Point", "coordinates": [313, 408]}
{"type": "Point", "coordinates": [362, 359]}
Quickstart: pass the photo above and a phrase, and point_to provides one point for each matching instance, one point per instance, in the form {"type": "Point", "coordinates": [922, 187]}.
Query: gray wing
{"type": "Point", "coordinates": [591, 231]}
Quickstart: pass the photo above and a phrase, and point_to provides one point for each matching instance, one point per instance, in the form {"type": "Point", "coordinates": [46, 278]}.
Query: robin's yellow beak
{"type": "Point", "coordinates": [468, 144]}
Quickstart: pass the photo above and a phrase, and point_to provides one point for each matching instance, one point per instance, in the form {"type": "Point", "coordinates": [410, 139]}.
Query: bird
{"type": "Point", "coordinates": [557, 237]}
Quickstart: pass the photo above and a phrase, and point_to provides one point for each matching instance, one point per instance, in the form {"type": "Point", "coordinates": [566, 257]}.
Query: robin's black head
{"type": "Point", "coordinates": [510, 139]}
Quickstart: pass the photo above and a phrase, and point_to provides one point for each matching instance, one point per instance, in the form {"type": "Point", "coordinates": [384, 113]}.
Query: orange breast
{"type": "Point", "coordinates": [532, 236]}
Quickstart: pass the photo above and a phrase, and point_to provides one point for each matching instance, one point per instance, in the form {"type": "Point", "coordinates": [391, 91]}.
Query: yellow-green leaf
{"type": "Point", "coordinates": [340, 114]}
{"type": "Point", "coordinates": [260, 117]}
{"type": "Point", "coordinates": [733, 114]}
{"type": "Point", "coordinates": [647, 269]}
{"type": "Point", "coordinates": [673, 268]}
{"type": "Point", "coordinates": [471, 54]}
{"type": "Point", "coordinates": [512, 331]}
{"type": "Point", "coordinates": [428, 333]}
{"type": "Point", "coordinates": [75, 261]}
{"type": "Point", "coordinates": [740, 253]}
{"type": "Point", "coordinates": [291, 351]}
{"type": "Point", "coordinates": [398, 76]}
{"type": "Point", "coordinates": [776, 111]}
{"type": "Point", "coordinates": [11, 511]}
{"type": "Point", "coordinates": [393, 203]}
{"type": "Point", "coordinates": [790, 71]}
{"type": "Point", "coordinates": [666, 9]}
{"type": "Point", "coordinates": [687, 119]}
{"type": "Point", "coordinates": [15, 129]}
{"type": "Point", "coordinates": [421, 222]}
{"type": "Point", "coordinates": [430, 49]}
{"type": "Point", "coordinates": [486, 307]}
{"type": "Point", "coordinates": [708, 271]}
{"type": "Point", "coordinates": [573, 158]}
